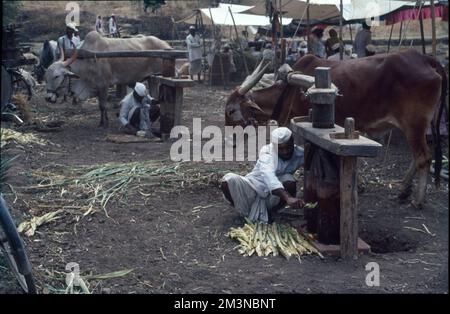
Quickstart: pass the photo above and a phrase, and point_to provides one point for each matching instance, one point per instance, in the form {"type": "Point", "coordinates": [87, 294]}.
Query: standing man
{"type": "Point", "coordinates": [271, 184]}
{"type": "Point", "coordinates": [67, 42]}
{"type": "Point", "coordinates": [362, 39]}
{"type": "Point", "coordinates": [137, 112]}
{"type": "Point", "coordinates": [195, 53]}
{"type": "Point", "coordinates": [112, 26]}
{"type": "Point", "coordinates": [317, 46]}
{"type": "Point", "coordinates": [99, 25]}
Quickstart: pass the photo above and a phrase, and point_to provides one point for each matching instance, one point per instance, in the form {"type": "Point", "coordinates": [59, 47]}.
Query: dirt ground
{"type": "Point", "coordinates": [174, 240]}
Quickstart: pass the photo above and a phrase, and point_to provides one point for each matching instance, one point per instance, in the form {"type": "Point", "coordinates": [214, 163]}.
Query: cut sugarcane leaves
{"type": "Point", "coordinates": [311, 205]}
{"type": "Point", "coordinates": [264, 239]}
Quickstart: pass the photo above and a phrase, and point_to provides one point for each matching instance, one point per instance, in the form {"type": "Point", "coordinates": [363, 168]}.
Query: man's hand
{"type": "Point", "coordinates": [294, 202]}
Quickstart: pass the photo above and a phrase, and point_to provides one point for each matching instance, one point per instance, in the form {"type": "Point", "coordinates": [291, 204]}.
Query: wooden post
{"type": "Point", "coordinates": [433, 28]}
{"type": "Point", "coordinates": [283, 50]}
{"type": "Point", "coordinates": [390, 37]}
{"type": "Point", "coordinates": [168, 67]}
{"type": "Point", "coordinates": [219, 54]}
{"type": "Point", "coordinates": [349, 206]}
{"type": "Point", "coordinates": [341, 46]}
{"type": "Point", "coordinates": [349, 199]}
{"type": "Point", "coordinates": [422, 35]}
{"type": "Point", "coordinates": [323, 77]}
{"type": "Point", "coordinates": [239, 42]}
{"type": "Point", "coordinates": [121, 91]}
{"type": "Point", "coordinates": [351, 35]}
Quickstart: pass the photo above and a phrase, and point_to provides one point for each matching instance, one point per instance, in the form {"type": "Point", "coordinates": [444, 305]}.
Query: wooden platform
{"type": "Point", "coordinates": [334, 249]}
{"type": "Point", "coordinates": [362, 146]}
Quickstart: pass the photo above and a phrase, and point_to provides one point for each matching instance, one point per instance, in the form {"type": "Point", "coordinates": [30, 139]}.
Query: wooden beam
{"type": "Point", "coordinates": [349, 208]}
{"type": "Point", "coordinates": [363, 146]}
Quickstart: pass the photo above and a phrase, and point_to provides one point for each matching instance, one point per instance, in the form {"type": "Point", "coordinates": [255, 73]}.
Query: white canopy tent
{"type": "Point", "coordinates": [221, 16]}
{"type": "Point", "coordinates": [323, 10]}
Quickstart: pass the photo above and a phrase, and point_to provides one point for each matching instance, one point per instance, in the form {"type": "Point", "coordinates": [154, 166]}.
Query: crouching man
{"type": "Point", "coordinates": [271, 184]}
{"type": "Point", "coordinates": [138, 110]}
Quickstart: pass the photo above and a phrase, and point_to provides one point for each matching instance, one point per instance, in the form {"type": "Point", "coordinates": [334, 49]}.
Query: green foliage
{"type": "Point", "coordinates": [10, 10]}
{"type": "Point", "coordinates": [153, 4]}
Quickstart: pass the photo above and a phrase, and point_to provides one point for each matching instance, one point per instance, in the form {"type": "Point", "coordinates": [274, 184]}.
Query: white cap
{"type": "Point", "coordinates": [72, 26]}
{"type": "Point", "coordinates": [192, 27]}
{"type": "Point", "coordinates": [281, 135]}
{"type": "Point", "coordinates": [140, 89]}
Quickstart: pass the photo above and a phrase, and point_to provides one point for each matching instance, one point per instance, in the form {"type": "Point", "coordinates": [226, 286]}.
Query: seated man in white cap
{"type": "Point", "coordinates": [271, 184]}
{"type": "Point", "coordinates": [137, 111]}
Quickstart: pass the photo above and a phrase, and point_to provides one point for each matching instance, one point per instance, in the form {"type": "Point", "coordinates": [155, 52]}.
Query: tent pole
{"type": "Point", "coordinates": [341, 46]}
{"type": "Point", "coordinates": [400, 34]}
{"type": "Point", "coordinates": [422, 35]}
{"type": "Point", "coordinates": [239, 42]}
{"type": "Point", "coordinates": [433, 28]}
{"type": "Point", "coordinates": [390, 37]}
{"type": "Point", "coordinates": [308, 29]}
{"type": "Point", "coordinates": [220, 54]}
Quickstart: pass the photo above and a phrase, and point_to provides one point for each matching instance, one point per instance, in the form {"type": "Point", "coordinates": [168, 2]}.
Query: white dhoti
{"type": "Point", "coordinates": [246, 199]}
{"type": "Point", "coordinates": [195, 66]}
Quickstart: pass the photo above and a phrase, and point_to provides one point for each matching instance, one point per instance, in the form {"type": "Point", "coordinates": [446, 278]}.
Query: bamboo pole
{"type": "Point", "coordinates": [341, 46]}
{"type": "Point", "coordinates": [390, 37]}
{"type": "Point", "coordinates": [422, 35]}
{"type": "Point", "coordinates": [239, 42]}
{"type": "Point", "coordinates": [308, 29]}
{"type": "Point", "coordinates": [433, 28]}
{"type": "Point", "coordinates": [220, 54]}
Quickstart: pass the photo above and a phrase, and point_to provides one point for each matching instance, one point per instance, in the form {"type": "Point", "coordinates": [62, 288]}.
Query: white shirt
{"type": "Point", "coordinates": [127, 107]}
{"type": "Point", "coordinates": [263, 177]}
{"type": "Point", "coordinates": [66, 45]}
{"type": "Point", "coordinates": [362, 39]}
{"type": "Point", "coordinates": [194, 47]}
{"type": "Point", "coordinates": [112, 26]}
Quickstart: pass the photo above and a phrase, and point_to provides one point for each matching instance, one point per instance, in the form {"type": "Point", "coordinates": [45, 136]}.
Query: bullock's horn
{"type": "Point", "coordinates": [61, 58]}
{"type": "Point", "coordinates": [253, 78]}
{"type": "Point", "coordinates": [72, 58]}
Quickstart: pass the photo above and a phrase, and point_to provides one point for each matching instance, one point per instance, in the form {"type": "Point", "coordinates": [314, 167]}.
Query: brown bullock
{"type": "Point", "coordinates": [380, 92]}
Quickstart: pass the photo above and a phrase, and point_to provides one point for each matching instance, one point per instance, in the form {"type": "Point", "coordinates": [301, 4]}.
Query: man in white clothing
{"type": "Point", "coordinates": [112, 26]}
{"type": "Point", "coordinates": [271, 184]}
{"type": "Point", "coordinates": [195, 52]}
{"type": "Point", "coordinates": [68, 42]}
{"type": "Point", "coordinates": [137, 112]}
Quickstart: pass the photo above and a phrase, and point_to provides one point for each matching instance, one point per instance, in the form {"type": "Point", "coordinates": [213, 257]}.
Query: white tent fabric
{"type": "Point", "coordinates": [329, 9]}
{"type": "Point", "coordinates": [222, 16]}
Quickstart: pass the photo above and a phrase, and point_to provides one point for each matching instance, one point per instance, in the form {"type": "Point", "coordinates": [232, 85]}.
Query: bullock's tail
{"type": "Point", "coordinates": [436, 131]}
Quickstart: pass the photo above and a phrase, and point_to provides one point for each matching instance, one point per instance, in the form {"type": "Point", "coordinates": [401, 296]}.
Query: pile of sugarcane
{"type": "Point", "coordinates": [265, 239]}
{"type": "Point", "coordinates": [8, 135]}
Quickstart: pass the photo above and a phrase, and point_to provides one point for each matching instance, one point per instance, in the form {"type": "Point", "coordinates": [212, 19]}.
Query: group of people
{"type": "Point", "coordinates": [112, 29]}
{"type": "Point", "coordinates": [330, 49]}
